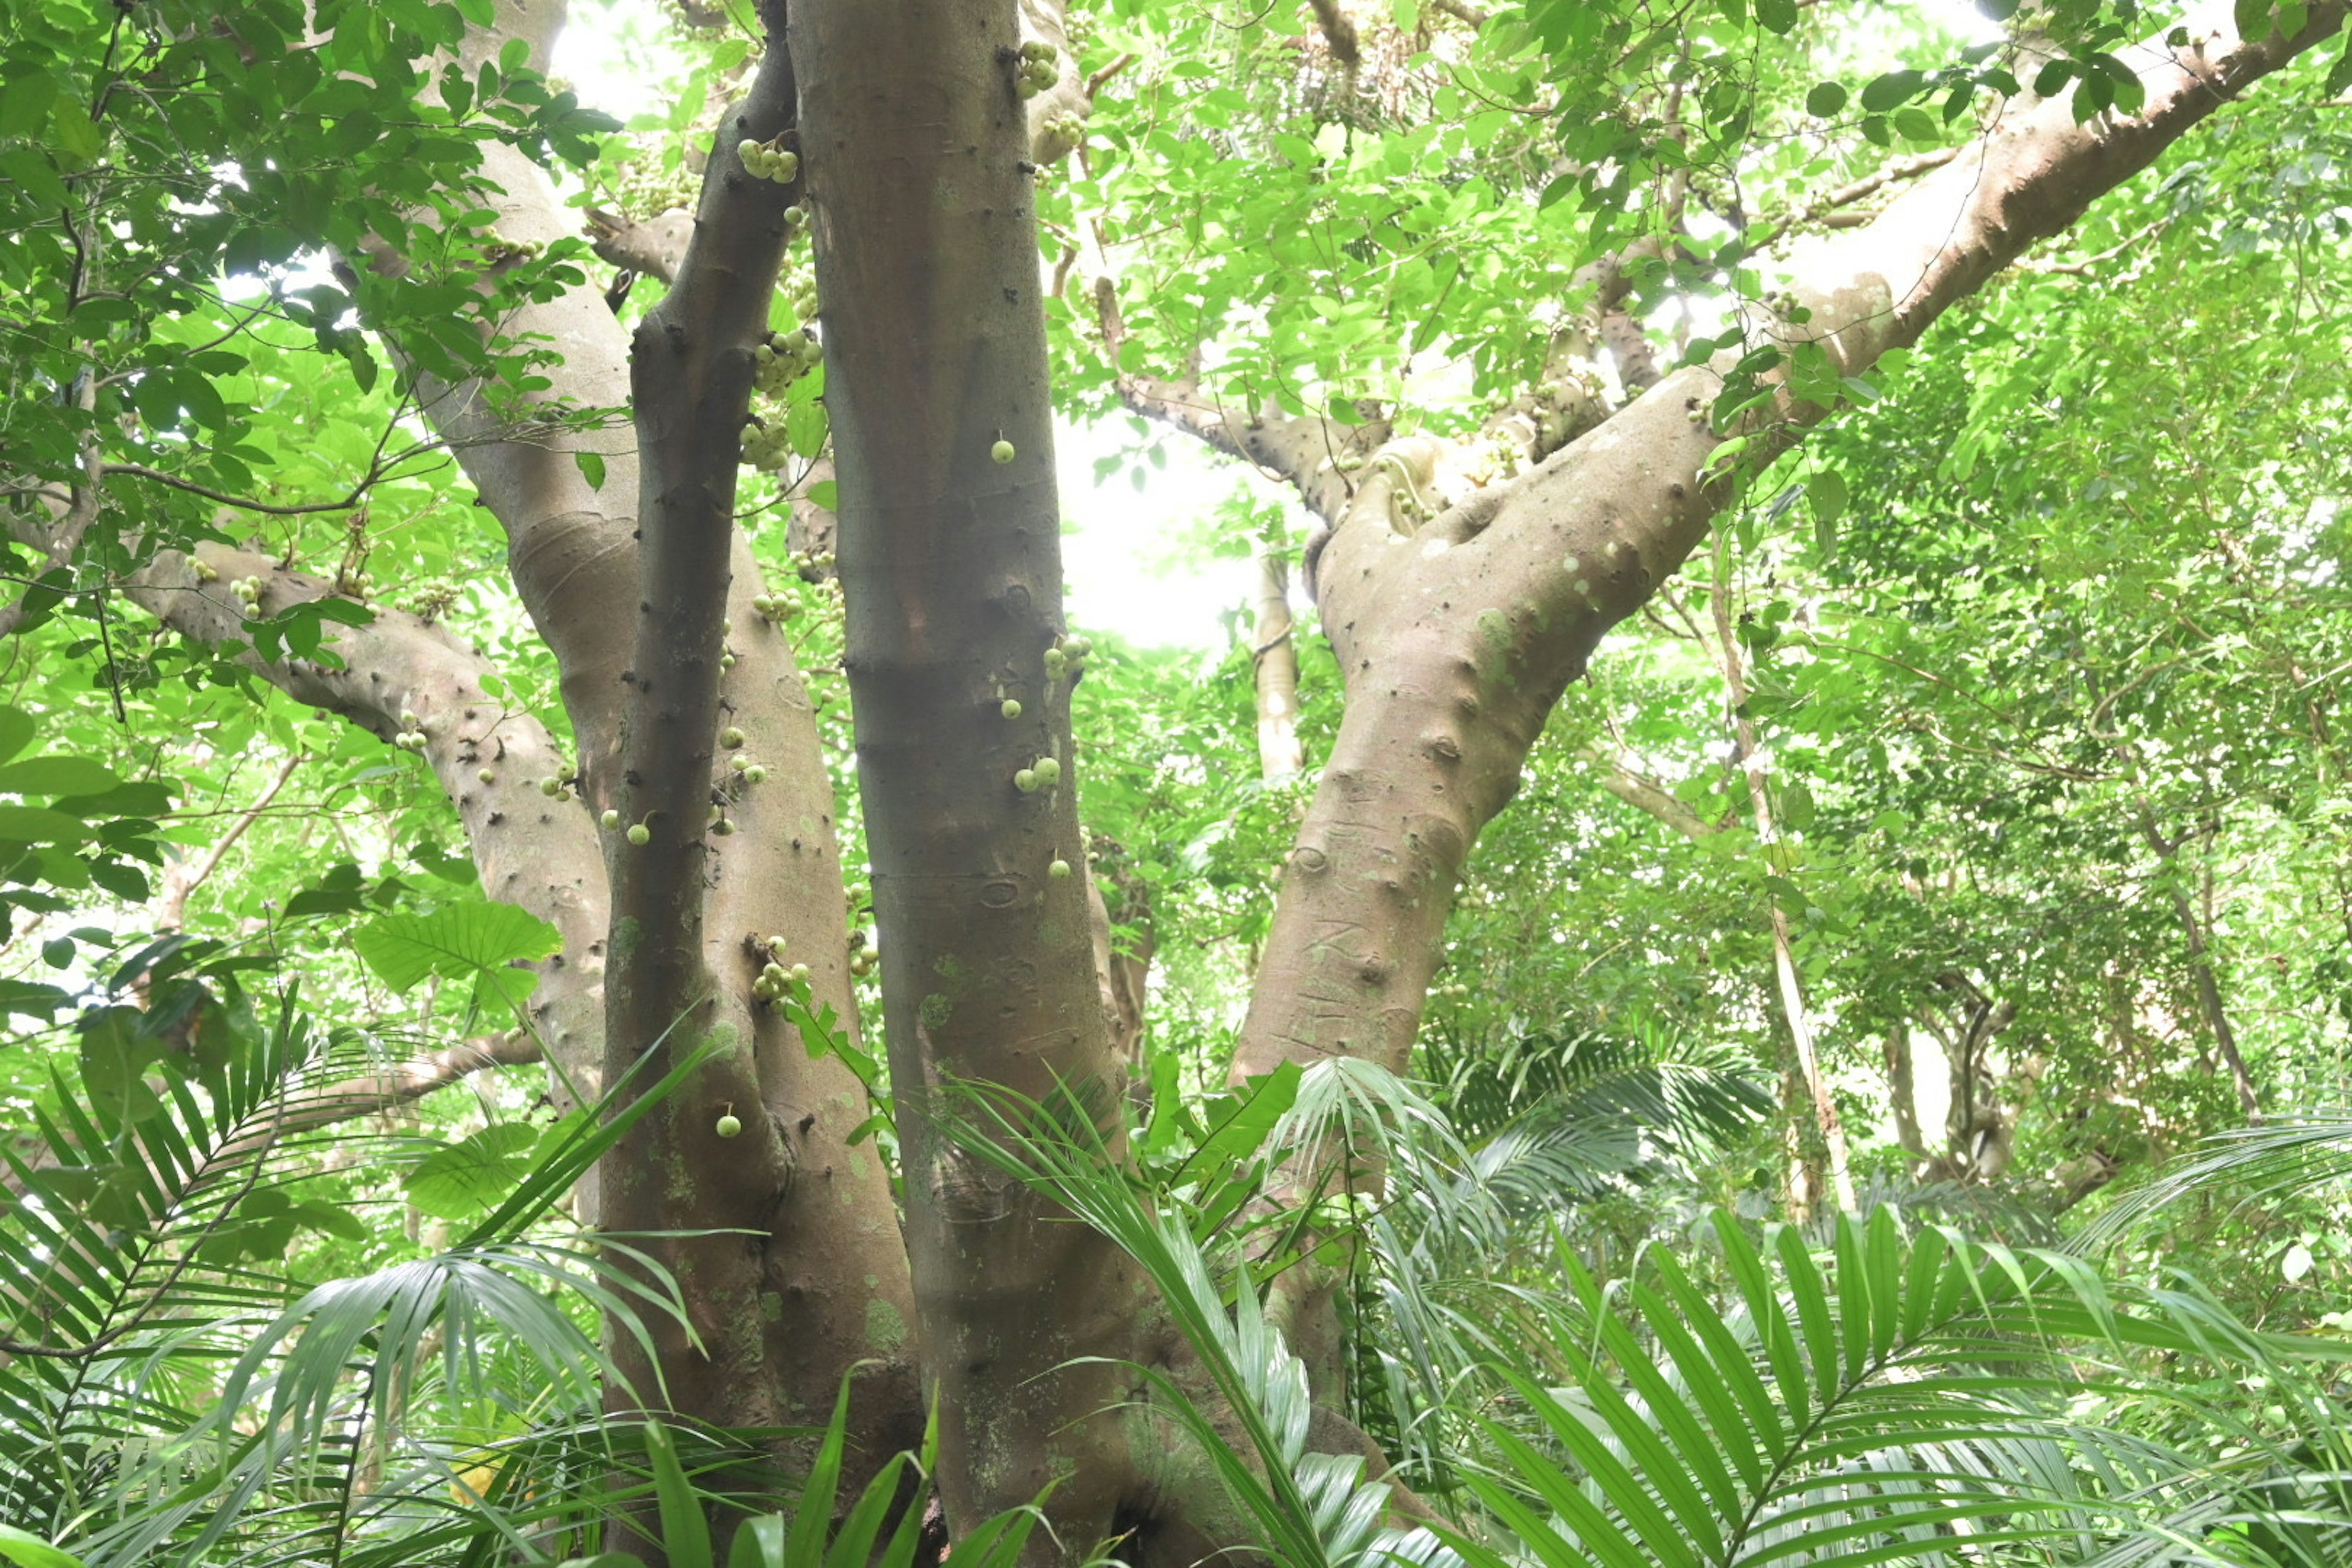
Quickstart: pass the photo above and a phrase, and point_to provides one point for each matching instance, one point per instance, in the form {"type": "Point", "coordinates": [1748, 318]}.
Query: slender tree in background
{"type": "Point", "coordinates": [686, 846]}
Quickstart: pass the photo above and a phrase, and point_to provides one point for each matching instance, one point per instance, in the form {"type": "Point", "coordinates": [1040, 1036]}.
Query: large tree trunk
{"type": "Point", "coordinates": [778, 1323]}
{"type": "Point", "coordinates": [916, 145]}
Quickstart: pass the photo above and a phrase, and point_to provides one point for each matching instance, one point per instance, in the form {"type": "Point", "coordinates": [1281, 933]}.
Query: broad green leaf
{"type": "Point", "coordinates": [477, 940]}
{"type": "Point", "coordinates": [16, 730]}
{"type": "Point", "coordinates": [29, 1551]}
{"type": "Point", "coordinates": [39, 824]}
{"type": "Point", "coordinates": [56, 776]}
{"type": "Point", "coordinates": [471, 1176]}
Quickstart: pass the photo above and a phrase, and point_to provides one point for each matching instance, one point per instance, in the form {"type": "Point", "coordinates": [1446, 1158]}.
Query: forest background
{"type": "Point", "coordinates": [1948, 834]}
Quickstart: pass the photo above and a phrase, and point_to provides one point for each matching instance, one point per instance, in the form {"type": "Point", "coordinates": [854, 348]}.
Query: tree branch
{"type": "Point", "coordinates": [1646, 793]}
{"type": "Point", "coordinates": [185, 877]}
{"type": "Point", "coordinates": [1455, 657]}
{"type": "Point", "coordinates": [530, 849]}
{"type": "Point", "coordinates": [653, 246]}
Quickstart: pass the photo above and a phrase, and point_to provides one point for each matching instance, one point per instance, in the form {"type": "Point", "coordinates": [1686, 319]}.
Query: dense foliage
{"type": "Point", "coordinates": [1987, 751]}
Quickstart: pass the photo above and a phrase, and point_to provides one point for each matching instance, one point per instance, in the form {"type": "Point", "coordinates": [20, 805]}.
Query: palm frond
{"type": "Point", "coordinates": [2311, 1152]}
{"type": "Point", "coordinates": [1313, 1511]}
{"type": "Point", "coordinates": [1909, 1401]}
{"type": "Point", "coordinates": [169, 1391]}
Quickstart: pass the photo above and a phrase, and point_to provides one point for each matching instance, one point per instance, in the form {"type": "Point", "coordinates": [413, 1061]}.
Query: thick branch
{"type": "Point", "coordinates": [399, 1083]}
{"type": "Point", "coordinates": [654, 247]}
{"type": "Point", "coordinates": [531, 850]}
{"type": "Point", "coordinates": [1311, 453]}
{"type": "Point", "coordinates": [1456, 649]}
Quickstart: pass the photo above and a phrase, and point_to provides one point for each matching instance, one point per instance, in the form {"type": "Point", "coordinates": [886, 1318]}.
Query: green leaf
{"type": "Point", "coordinates": [38, 825]}
{"type": "Point", "coordinates": [16, 730]}
{"type": "Point", "coordinates": [591, 467]}
{"type": "Point", "coordinates": [1237, 1135]}
{"type": "Point", "coordinates": [477, 941]}
{"type": "Point", "coordinates": [2051, 77]}
{"type": "Point", "coordinates": [804, 429]}
{"type": "Point", "coordinates": [35, 175]}
{"type": "Point", "coordinates": [25, 99]}
{"type": "Point", "coordinates": [685, 1534]}
{"type": "Point", "coordinates": [1826, 99]}
{"type": "Point", "coordinates": [1889, 90]}
{"type": "Point", "coordinates": [471, 1176]}
{"type": "Point", "coordinates": [56, 776]}
{"type": "Point", "coordinates": [28, 1550]}
{"type": "Point", "coordinates": [74, 132]}
{"type": "Point", "coordinates": [138, 797]}
{"type": "Point", "coordinates": [1825, 492]}
{"type": "Point", "coordinates": [825, 493]}
{"type": "Point", "coordinates": [1796, 805]}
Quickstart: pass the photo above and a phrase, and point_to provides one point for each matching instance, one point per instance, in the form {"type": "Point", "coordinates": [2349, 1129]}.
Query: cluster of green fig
{"type": "Point", "coordinates": [743, 766]}
{"type": "Point", "coordinates": [247, 590]}
{"type": "Point", "coordinates": [411, 738]}
{"type": "Point", "coordinates": [766, 447]}
{"type": "Point", "coordinates": [554, 788]}
{"type": "Point", "coordinates": [1066, 657]}
{"type": "Point", "coordinates": [862, 960]}
{"type": "Point", "coordinates": [789, 607]}
{"type": "Point", "coordinates": [643, 184]}
{"type": "Point", "coordinates": [1065, 126]}
{"type": "Point", "coordinates": [776, 980]}
{"type": "Point", "coordinates": [1452, 990]}
{"type": "Point", "coordinates": [1038, 71]}
{"type": "Point", "coordinates": [499, 251]}
{"type": "Point", "coordinates": [1043, 773]}
{"type": "Point", "coordinates": [434, 597]}
{"type": "Point", "coordinates": [799, 287]}
{"type": "Point", "coordinates": [766, 160]}
{"type": "Point", "coordinates": [784, 358]}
